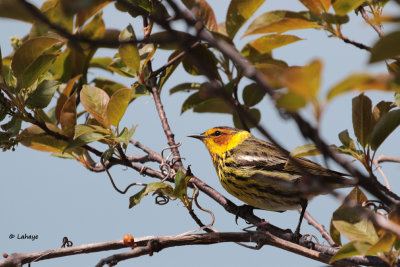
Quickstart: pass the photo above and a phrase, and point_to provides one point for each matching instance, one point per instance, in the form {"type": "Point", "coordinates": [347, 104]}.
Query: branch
{"type": "Point", "coordinates": [384, 158]}
{"type": "Point", "coordinates": [319, 227]}
{"type": "Point", "coordinates": [365, 16]}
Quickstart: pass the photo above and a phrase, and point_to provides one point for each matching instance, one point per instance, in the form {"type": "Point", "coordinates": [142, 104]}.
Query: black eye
{"type": "Point", "coordinates": [216, 133]}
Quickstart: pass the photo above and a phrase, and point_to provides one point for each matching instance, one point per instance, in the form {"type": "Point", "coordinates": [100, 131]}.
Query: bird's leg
{"type": "Point", "coordinates": [243, 210]}
{"type": "Point", "coordinates": [296, 235]}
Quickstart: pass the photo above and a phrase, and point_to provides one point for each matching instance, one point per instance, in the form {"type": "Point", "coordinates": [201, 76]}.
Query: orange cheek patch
{"type": "Point", "coordinates": [222, 140]}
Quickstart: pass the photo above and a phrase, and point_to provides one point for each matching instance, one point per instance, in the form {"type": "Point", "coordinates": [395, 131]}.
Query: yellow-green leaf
{"type": "Point", "coordinates": [36, 138]}
{"type": "Point", "coordinates": [317, 6]}
{"type": "Point", "coordinates": [305, 150]}
{"type": "Point", "coordinates": [384, 127]}
{"type": "Point", "coordinates": [269, 42]}
{"type": "Point", "coordinates": [43, 94]}
{"type": "Point", "coordinates": [85, 13]}
{"type": "Point", "coordinates": [350, 249]}
{"type": "Point", "coordinates": [291, 102]}
{"type": "Point", "coordinates": [108, 85]}
{"type": "Point", "coordinates": [362, 118]}
{"type": "Point", "coordinates": [129, 52]}
{"type": "Point", "coordinates": [253, 94]}
{"type": "Point", "coordinates": [384, 244]}
{"type": "Point", "coordinates": [304, 81]}
{"type": "Point", "coordinates": [204, 12]}
{"type": "Point", "coordinates": [15, 10]}
{"type": "Point", "coordinates": [239, 12]}
{"type": "Point", "coordinates": [82, 129]}
{"type": "Point", "coordinates": [95, 101]}
{"type": "Point", "coordinates": [118, 104]}
{"type": "Point", "coordinates": [360, 231]}
{"type": "Point", "coordinates": [280, 21]}
{"type": "Point", "coordinates": [386, 47]}
{"type": "Point", "coordinates": [342, 7]}
{"type": "Point", "coordinates": [40, 66]}
{"type": "Point", "coordinates": [96, 28]}
{"type": "Point", "coordinates": [158, 187]}
{"type": "Point", "coordinates": [181, 181]}
{"type": "Point", "coordinates": [29, 52]}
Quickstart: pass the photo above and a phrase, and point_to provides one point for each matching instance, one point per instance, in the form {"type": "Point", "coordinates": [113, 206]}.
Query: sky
{"type": "Point", "coordinates": [52, 197]}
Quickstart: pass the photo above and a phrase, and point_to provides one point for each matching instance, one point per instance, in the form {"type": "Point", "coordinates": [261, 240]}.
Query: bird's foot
{"type": "Point", "coordinates": [242, 211]}
{"type": "Point", "coordinates": [296, 237]}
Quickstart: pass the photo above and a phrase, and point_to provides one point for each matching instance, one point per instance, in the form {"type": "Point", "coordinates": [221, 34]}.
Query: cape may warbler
{"type": "Point", "coordinates": [261, 175]}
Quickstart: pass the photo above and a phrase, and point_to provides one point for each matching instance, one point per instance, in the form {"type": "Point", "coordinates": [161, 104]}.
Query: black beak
{"type": "Point", "coordinates": [197, 136]}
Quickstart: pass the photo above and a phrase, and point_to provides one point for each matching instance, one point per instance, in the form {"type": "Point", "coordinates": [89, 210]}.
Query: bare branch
{"type": "Point", "coordinates": [319, 227]}
{"type": "Point", "coordinates": [376, 27]}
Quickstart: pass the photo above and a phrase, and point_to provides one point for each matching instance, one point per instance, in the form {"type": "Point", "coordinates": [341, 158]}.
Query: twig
{"type": "Point", "coordinates": [365, 16]}
{"type": "Point", "coordinates": [385, 158]}
{"type": "Point", "coordinates": [319, 227]}
{"type": "Point", "coordinates": [356, 44]}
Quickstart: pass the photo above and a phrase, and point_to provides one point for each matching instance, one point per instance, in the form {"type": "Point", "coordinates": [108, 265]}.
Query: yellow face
{"type": "Point", "coordinates": [218, 140]}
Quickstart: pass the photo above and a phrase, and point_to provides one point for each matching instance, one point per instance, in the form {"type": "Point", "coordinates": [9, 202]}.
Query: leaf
{"type": "Point", "coordinates": [118, 104]}
{"type": "Point", "coordinates": [29, 52]}
{"type": "Point", "coordinates": [204, 12]}
{"type": "Point", "coordinates": [85, 13]}
{"type": "Point", "coordinates": [291, 102]}
{"type": "Point", "coordinates": [280, 21]}
{"type": "Point", "coordinates": [101, 63]}
{"type": "Point", "coordinates": [205, 58]}
{"type": "Point", "coordinates": [381, 109]}
{"type": "Point", "coordinates": [84, 139]}
{"type": "Point", "coordinates": [158, 187]}
{"type": "Point", "coordinates": [95, 101]}
{"type": "Point", "coordinates": [362, 118]}
{"type": "Point", "coordinates": [384, 244]}
{"type": "Point", "coordinates": [40, 66]}
{"type": "Point", "coordinates": [214, 105]}
{"type": "Point", "coordinates": [68, 116]}
{"type": "Point", "coordinates": [253, 94]}
{"type": "Point", "coordinates": [254, 112]}
{"type": "Point", "coordinates": [190, 102]}
{"type": "Point", "coordinates": [269, 42]}
{"type": "Point", "coordinates": [317, 6]}
{"type": "Point", "coordinates": [304, 81]}
{"type": "Point", "coordinates": [350, 249]}
{"type": "Point", "coordinates": [108, 85]}
{"type": "Point", "coordinates": [361, 82]}
{"type": "Point", "coordinates": [187, 87]}
{"type": "Point", "coordinates": [272, 74]}
{"type": "Point", "coordinates": [125, 135]}
{"type": "Point", "coordinates": [305, 150]}
{"type": "Point", "coordinates": [82, 129]}
{"type": "Point", "coordinates": [384, 127]}
{"type": "Point", "coordinates": [342, 7]}
{"type": "Point", "coordinates": [119, 67]}
{"type": "Point", "coordinates": [96, 28]}
{"type": "Point", "coordinates": [386, 47]}
{"type": "Point", "coordinates": [65, 95]}
{"type": "Point", "coordinates": [35, 138]}
{"type": "Point", "coordinates": [146, 53]}
{"type": "Point", "coordinates": [344, 137]}
{"type": "Point", "coordinates": [334, 19]}
{"type": "Point", "coordinates": [43, 94]}
{"type": "Point", "coordinates": [181, 181]}
{"type": "Point", "coordinates": [13, 126]}
{"type": "Point", "coordinates": [129, 52]}
{"type": "Point", "coordinates": [238, 13]}
{"type": "Point", "coordinates": [360, 231]}
{"type": "Point", "coordinates": [15, 10]}
{"type": "Point", "coordinates": [169, 70]}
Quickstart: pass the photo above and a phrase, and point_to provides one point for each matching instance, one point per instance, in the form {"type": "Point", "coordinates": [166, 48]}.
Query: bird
{"type": "Point", "coordinates": [263, 175]}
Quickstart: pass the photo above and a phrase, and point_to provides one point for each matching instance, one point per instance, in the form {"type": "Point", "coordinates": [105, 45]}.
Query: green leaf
{"type": "Point", "coordinates": [146, 53]}
{"type": "Point", "coordinates": [119, 67]}
{"type": "Point", "coordinates": [40, 66]}
{"type": "Point", "coordinates": [384, 127]}
{"type": "Point", "coordinates": [280, 21]}
{"type": "Point", "coordinates": [344, 137]}
{"type": "Point", "coordinates": [15, 10]}
{"type": "Point", "coordinates": [272, 73]}
{"type": "Point", "coordinates": [84, 13]}
{"type": "Point", "coordinates": [129, 52]}
{"type": "Point", "coordinates": [362, 118]}
{"type": "Point", "coordinates": [108, 85]}
{"type": "Point", "coordinates": [397, 99]}
{"type": "Point", "coordinates": [361, 82]}
{"type": "Point", "coordinates": [386, 47]}
{"type": "Point", "coordinates": [214, 105]}
{"type": "Point", "coordinates": [29, 52]}
{"type": "Point", "coordinates": [43, 94]}
{"type": "Point", "coordinates": [291, 102]}
{"type": "Point", "coordinates": [158, 187]}
{"type": "Point", "coordinates": [101, 63]}
{"type": "Point", "coordinates": [305, 150]}
{"type": "Point", "coordinates": [13, 126]}
{"type": "Point", "coordinates": [350, 249]}
{"type": "Point", "coordinates": [342, 7]}
{"type": "Point", "coordinates": [84, 139]}
{"type": "Point", "coordinates": [304, 81]}
{"type": "Point", "coordinates": [126, 135]}
{"type": "Point", "coordinates": [269, 42]}
{"type": "Point", "coordinates": [253, 94]}
{"type": "Point", "coordinates": [238, 13]}
{"type": "Point", "coordinates": [193, 100]}
{"type": "Point", "coordinates": [385, 244]}
{"type": "Point", "coordinates": [181, 181]}
{"type": "Point", "coordinates": [82, 129]}
{"type": "Point", "coordinates": [204, 12]}
{"type": "Point", "coordinates": [68, 116]}
{"type": "Point", "coordinates": [95, 101]}
{"type": "Point", "coordinates": [169, 70]}
{"type": "Point", "coordinates": [360, 231]}
{"type": "Point", "coordinates": [255, 113]}
{"type": "Point", "coordinates": [118, 104]}
{"type": "Point", "coordinates": [206, 59]}
{"type": "Point", "coordinates": [187, 87]}
{"type": "Point", "coordinates": [334, 19]}
{"type": "Point", "coordinates": [96, 28]}
{"type": "Point", "coordinates": [381, 109]}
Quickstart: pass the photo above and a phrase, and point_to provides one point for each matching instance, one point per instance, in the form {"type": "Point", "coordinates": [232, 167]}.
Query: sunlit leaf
{"type": "Point", "coordinates": [36, 138]}
{"type": "Point", "coordinates": [85, 13]}
{"type": "Point", "coordinates": [342, 7]}
{"type": "Point", "coordinates": [40, 66]}
{"type": "Point", "coordinates": [68, 115]}
{"type": "Point", "coordinates": [280, 21]}
{"type": "Point", "coordinates": [291, 102]}
{"type": "Point", "coordinates": [238, 13]}
{"type": "Point", "coordinates": [101, 63]}
{"type": "Point", "coordinates": [350, 249]}
{"type": "Point", "coordinates": [125, 135]}
{"type": "Point", "coordinates": [158, 187]}
{"type": "Point", "coordinates": [85, 139]}
{"type": "Point", "coordinates": [384, 127]}
{"type": "Point", "coordinates": [129, 52]}
{"type": "Point", "coordinates": [96, 28]}
{"type": "Point", "coordinates": [43, 94]}
{"type": "Point", "coordinates": [384, 244]}
{"type": "Point", "coordinates": [305, 150]}
{"type": "Point", "coordinates": [304, 81]}
{"type": "Point", "coordinates": [118, 104]}
{"type": "Point", "coordinates": [95, 101]}
{"type": "Point", "coordinates": [204, 12]}
{"type": "Point", "coordinates": [108, 85]}
{"type": "Point", "coordinates": [334, 19]}
{"type": "Point", "coordinates": [82, 129]}
{"type": "Point", "coordinates": [360, 231]}
{"type": "Point", "coordinates": [317, 6]}
{"type": "Point", "coordinates": [386, 47]}
{"type": "Point", "coordinates": [362, 118]}
{"type": "Point", "coordinates": [269, 42]}
{"type": "Point", "coordinates": [119, 67]}
{"type": "Point", "coordinates": [272, 74]}
{"type": "Point", "coordinates": [181, 181]}
{"type": "Point", "coordinates": [146, 54]}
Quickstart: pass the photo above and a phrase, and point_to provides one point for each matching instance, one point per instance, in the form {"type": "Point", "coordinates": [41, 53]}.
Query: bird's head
{"type": "Point", "coordinates": [218, 140]}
